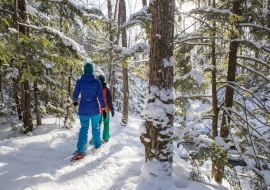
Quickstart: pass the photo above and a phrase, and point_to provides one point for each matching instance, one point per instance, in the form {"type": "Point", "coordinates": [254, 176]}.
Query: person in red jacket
{"type": "Point", "coordinates": [110, 108]}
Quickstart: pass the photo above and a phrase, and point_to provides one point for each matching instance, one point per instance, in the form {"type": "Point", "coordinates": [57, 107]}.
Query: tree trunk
{"type": "Point", "coordinates": [157, 138]}
{"type": "Point", "coordinates": [1, 90]}
{"type": "Point", "coordinates": [62, 105]}
{"type": "Point", "coordinates": [214, 94]}
{"type": "Point", "coordinates": [147, 30]}
{"type": "Point", "coordinates": [17, 101]}
{"type": "Point", "coordinates": [122, 9]}
{"type": "Point", "coordinates": [37, 104]}
{"type": "Point", "coordinates": [109, 2]}
{"type": "Point", "coordinates": [111, 76]}
{"type": "Point", "coordinates": [47, 94]}
{"type": "Point", "coordinates": [115, 10]}
{"type": "Point", "coordinates": [224, 131]}
{"type": "Point", "coordinates": [268, 22]}
{"type": "Point", "coordinates": [144, 3]}
{"type": "Point", "coordinates": [27, 118]}
{"type": "Point", "coordinates": [112, 84]}
{"type": "Point", "coordinates": [68, 99]}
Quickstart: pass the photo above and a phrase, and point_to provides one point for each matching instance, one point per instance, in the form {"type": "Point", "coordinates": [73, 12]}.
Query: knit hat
{"type": "Point", "coordinates": [88, 68]}
{"type": "Point", "coordinates": [101, 78]}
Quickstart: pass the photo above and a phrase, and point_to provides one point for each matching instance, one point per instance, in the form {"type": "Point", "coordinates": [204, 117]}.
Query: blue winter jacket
{"type": "Point", "coordinates": [91, 92]}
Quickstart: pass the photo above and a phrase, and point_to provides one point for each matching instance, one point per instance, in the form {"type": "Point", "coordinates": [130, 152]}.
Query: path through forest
{"type": "Point", "coordinates": [42, 161]}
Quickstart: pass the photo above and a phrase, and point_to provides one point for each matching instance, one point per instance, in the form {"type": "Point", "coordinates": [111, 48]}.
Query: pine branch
{"type": "Point", "coordinates": [6, 11]}
{"type": "Point", "coordinates": [238, 103]}
{"type": "Point", "coordinates": [254, 59]}
{"type": "Point", "coordinates": [193, 38]}
{"type": "Point", "coordinates": [256, 72]}
{"type": "Point", "coordinates": [193, 96]}
{"type": "Point", "coordinates": [254, 25]}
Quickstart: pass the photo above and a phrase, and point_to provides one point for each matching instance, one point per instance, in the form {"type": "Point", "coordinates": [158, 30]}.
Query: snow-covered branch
{"type": "Point", "coordinates": [200, 20]}
{"type": "Point", "coordinates": [6, 11]}
{"type": "Point", "coordinates": [254, 25]}
{"type": "Point", "coordinates": [197, 44]}
{"type": "Point", "coordinates": [194, 96]}
{"type": "Point", "coordinates": [253, 71]}
{"type": "Point", "coordinates": [261, 106]}
{"type": "Point", "coordinates": [193, 38]}
{"type": "Point", "coordinates": [66, 40]}
{"type": "Point", "coordinates": [254, 59]}
{"type": "Point", "coordinates": [255, 44]}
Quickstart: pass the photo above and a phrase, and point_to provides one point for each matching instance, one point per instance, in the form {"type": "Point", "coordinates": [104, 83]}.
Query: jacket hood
{"type": "Point", "coordinates": [104, 84]}
{"type": "Point", "coordinates": [88, 77]}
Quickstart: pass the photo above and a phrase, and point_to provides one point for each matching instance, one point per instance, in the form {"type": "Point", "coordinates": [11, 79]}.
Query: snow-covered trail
{"type": "Point", "coordinates": [42, 161]}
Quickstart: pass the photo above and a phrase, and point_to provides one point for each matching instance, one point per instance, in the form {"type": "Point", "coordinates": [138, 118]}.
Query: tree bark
{"type": "Point", "coordinates": [17, 101]}
{"type": "Point", "coordinates": [68, 99]}
{"type": "Point", "coordinates": [1, 90]}
{"type": "Point", "coordinates": [37, 104]}
{"type": "Point", "coordinates": [111, 71]}
{"type": "Point", "coordinates": [157, 138]}
{"type": "Point", "coordinates": [62, 105]}
{"type": "Point", "coordinates": [224, 130]}
{"type": "Point", "coordinates": [214, 94]}
{"type": "Point", "coordinates": [25, 88]}
{"type": "Point", "coordinates": [122, 8]}
{"type": "Point", "coordinates": [47, 94]}
{"type": "Point", "coordinates": [112, 84]}
{"type": "Point", "coordinates": [144, 2]}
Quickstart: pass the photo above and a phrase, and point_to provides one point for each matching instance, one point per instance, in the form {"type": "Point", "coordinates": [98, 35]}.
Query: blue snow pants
{"type": "Point", "coordinates": [83, 135]}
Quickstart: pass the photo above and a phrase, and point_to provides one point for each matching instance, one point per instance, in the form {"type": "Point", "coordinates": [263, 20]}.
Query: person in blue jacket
{"type": "Point", "coordinates": [91, 94]}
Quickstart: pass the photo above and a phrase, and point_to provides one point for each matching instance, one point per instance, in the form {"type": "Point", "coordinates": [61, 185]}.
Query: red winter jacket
{"type": "Point", "coordinates": [108, 99]}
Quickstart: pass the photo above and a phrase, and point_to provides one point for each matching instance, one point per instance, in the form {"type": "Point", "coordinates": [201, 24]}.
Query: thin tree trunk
{"type": "Point", "coordinates": [112, 84]}
{"type": "Point", "coordinates": [68, 99]}
{"type": "Point", "coordinates": [47, 94]}
{"type": "Point", "coordinates": [157, 138]}
{"type": "Point", "coordinates": [27, 118]}
{"type": "Point", "coordinates": [17, 101]}
{"type": "Point", "coordinates": [224, 131]}
{"type": "Point", "coordinates": [144, 2]}
{"type": "Point", "coordinates": [125, 67]}
{"type": "Point", "coordinates": [111, 73]}
{"type": "Point", "coordinates": [1, 90]}
{"type": "Point", "coordinates": [115, 11]}
{"type": "Point", "coordinates": [62, 105]}
{"type": "Point", "coordinates": [37, 104]}
{"type": "Point", "coordinates": [147, 30]}
{"type": "Point", "coordinates": [214, 93]}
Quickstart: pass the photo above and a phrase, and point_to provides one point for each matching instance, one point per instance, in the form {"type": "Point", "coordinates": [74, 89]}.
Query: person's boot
{"type": "Point", "coordinates": [79, 156]}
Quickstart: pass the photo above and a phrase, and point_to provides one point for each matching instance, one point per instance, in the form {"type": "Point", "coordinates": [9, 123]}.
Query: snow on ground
{"type": "Point", "coordinates": [42, 161]}
{"type": "Point", "coordinates": [5, 129]}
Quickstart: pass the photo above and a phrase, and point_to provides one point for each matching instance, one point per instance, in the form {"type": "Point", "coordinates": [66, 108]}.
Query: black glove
{"type": "Point", "coordinates": [112, 113]}
{"type": "Point", "coordinates": [104, 112]}
{"type": "Point", "coordinates": [75, 103]}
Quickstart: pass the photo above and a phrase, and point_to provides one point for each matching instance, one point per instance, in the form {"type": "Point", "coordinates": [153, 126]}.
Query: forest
{"type": "Point", "coordinates": [189, 81]}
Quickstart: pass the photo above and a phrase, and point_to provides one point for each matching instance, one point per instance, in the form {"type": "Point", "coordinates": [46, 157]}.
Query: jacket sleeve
{"type": "Point", "coordinates": [109, 99]}
{"type": "Point", "coordinates": [76, 91]}
{"type": "Point", "coordinates": [100, 95]}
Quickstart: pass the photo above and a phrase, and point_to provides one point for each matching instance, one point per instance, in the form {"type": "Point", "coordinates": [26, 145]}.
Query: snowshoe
{"type": "Point", "coordinates": [78, 156]}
